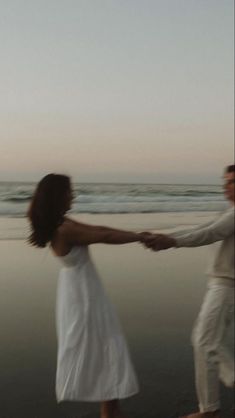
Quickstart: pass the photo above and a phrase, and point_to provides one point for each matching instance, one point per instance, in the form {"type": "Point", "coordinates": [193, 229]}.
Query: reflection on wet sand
{"type": "Point", "coordinates": [157, 297]}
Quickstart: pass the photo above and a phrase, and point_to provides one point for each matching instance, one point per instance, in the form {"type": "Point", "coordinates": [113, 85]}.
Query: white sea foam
{"type": "Point", "coordinates": [120, 198]}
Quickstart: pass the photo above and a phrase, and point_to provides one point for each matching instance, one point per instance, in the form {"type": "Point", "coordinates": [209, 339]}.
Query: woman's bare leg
{"type": "Point", "coordinates": [111, 409]}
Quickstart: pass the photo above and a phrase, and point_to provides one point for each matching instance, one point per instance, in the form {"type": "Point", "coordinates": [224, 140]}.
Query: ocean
{"type": "Point", "coordinates": [111, 198]}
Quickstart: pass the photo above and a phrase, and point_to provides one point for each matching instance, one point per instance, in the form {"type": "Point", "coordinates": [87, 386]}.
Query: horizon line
{"type": "Point", "coordinates": [117, 182]}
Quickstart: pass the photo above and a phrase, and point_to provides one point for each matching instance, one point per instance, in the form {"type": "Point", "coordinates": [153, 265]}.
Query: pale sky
{"type": "Point", "coordinates": [116, 90]}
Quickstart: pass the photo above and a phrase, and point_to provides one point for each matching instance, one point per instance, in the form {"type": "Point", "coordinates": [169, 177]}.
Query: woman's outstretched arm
{"type": "Point", "coordinates": [76, 233]}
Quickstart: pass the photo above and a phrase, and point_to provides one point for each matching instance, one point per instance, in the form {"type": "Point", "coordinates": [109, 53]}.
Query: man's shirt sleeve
{"type": "Point", "coordinates": [220, 229]}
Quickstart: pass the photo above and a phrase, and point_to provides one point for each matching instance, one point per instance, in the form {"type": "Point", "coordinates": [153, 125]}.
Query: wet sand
{"type": "Point", "coordinates": [157, 296]}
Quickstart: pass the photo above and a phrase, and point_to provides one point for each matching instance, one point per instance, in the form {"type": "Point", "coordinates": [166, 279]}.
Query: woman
{"type": "Point", "coordinates": [93, 362]}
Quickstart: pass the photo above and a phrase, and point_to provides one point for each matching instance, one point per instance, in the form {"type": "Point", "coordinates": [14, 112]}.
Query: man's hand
{"type": "Point", "coordinates": [157, 242]}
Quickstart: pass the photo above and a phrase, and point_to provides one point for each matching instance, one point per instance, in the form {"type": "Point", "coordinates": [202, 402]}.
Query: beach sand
{"type": "Point", "coordinates": [157, 296]}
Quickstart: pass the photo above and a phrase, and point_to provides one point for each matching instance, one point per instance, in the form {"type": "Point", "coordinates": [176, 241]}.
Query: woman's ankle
{"type": "Point", "coordinates": [109, 409]}
{"type": "Point", "coordinates": [212, 414]}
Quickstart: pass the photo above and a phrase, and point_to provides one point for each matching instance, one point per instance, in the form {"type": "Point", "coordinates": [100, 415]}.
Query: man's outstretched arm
{"type": "Point", "coordinates": [218, 230]}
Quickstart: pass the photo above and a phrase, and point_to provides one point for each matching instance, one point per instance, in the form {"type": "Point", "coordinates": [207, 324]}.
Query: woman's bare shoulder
{"type": "Point", "coordinates": [72, 232]}
{"type": "Point", "coordinates": [64, 229]}
{"type": "Point", "coordinates": [60, 243]}
{"type": "Point", "coordinates": [71, 225]}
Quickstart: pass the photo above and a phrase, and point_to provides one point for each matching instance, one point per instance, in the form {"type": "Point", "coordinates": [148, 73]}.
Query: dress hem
{"type": "Point", "coordinates": [100, 399]}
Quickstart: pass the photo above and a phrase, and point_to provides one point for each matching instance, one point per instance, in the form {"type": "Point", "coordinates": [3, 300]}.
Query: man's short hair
{"type": "Point", "coordinates": [230, 168]}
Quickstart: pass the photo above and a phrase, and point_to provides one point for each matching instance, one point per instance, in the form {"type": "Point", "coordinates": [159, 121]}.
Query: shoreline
{"type": "Point", "coordinates": [15, 228]}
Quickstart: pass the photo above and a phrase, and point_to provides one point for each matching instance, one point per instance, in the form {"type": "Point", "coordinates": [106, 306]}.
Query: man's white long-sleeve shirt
{"type": "Point", "coordinates": [221, 233]}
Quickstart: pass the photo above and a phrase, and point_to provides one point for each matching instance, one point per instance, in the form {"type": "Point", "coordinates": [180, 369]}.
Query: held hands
{"type": "Point", "coordinates": [157, 242]}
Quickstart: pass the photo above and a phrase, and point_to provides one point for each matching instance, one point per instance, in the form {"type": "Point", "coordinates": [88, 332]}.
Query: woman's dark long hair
{"type": "Point", "coordinates": [47, 208]}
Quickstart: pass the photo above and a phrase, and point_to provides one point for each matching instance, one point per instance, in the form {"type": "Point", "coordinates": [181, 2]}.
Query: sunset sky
{"type": "Point", "coordinates": [116, 90]}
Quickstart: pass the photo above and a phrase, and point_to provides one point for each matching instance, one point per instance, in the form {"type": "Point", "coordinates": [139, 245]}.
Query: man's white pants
{"type": "Point", "coordinates": [213, 354]}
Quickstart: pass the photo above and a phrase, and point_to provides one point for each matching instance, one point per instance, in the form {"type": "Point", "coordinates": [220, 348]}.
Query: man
{"type": "Point", "coordinates": [213, 360]}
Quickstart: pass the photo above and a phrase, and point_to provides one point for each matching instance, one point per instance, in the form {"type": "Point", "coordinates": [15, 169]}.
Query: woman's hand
{"type": "Point", "coordinates": [158, 242]}
{"type": "Point", "coordinates": [145, 236]}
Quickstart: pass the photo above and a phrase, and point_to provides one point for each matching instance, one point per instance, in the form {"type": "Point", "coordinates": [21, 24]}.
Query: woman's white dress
{"type": "Point", "coordinates": [93, 362]}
